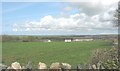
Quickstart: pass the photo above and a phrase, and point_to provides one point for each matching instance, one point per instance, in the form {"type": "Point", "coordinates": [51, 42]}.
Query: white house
{"type": "Point", "coordinates": [88, 39]}
{"type": "Point", "coordinates": [49, 40]}
{"type": "Point", "coordinates": [83, 39]}
{"type": "Point", "coordinates": [68, 40]}
{"type": "Point", "coordinates": [77, 40]}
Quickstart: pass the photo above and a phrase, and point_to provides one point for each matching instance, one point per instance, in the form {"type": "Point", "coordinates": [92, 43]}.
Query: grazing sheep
{"type": "Point", "coordinates": [42, 66]}
{"type": "Point", "coordinates": [55, 65]}
{"type": "Point", "coordinates": [15, 65]}
{"type": "Point", "coordinates": [65, 66]}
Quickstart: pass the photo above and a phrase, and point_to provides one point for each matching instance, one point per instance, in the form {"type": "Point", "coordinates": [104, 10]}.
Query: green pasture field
{"type": "Point", "coordinates": [48, 52]}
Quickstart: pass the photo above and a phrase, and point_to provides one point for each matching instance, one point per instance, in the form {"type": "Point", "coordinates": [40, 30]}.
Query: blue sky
{"type": "Point", "coordinates": [55, 18]}
{"type": "Point", "coordinates": [17, 12]}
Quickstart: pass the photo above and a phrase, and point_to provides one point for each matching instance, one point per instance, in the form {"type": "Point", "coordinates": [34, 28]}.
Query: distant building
{"type": "Point", "coordinates": [77, 40]}
{"type": "Point", "coordinates": [49, 40]}
{"type": "Point", "coordinates": [68, 40]}
{"type": "Point", "coordinates": [85, 39]}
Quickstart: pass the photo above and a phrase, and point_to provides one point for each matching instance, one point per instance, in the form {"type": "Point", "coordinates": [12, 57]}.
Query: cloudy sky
{"type": "Point", "coordinates": [59, 18]}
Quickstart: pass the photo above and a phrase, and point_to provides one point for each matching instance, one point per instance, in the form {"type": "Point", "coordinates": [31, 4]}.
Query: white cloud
{"type": "Point", "coordinates": [76, 22]}
{"type": "Point", "coordinates": [14, 29]}
{"type": "Point", "coordinates": [27, 29]}
{"type": "Point", "coordinates": [94, 1]}
{"type": "Point", "coordinates": [93, 17]}
{"type": "Point", "coordinates": [93, 7]}
{"type": "Point", "coordinates": [68, 8]}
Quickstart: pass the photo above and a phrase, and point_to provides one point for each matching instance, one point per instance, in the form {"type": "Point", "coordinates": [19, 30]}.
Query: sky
{"type": "Point", "coordinates": [59, 18]}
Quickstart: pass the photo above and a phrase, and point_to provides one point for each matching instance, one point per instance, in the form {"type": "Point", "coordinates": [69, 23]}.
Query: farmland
{"type": "Point", "coordinates": [48, 52]}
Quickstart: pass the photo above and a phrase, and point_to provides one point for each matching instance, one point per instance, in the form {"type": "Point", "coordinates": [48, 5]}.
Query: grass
{"type": "Point", "coordinates": [73, 53]}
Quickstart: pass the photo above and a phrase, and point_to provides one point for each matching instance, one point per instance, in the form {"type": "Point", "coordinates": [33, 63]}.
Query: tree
{"type": "Point", "coordinates": [117, 16]}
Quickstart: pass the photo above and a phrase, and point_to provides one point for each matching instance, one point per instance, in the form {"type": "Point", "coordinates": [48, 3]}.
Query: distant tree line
{"type": "Point", "coordinates": [25, 38]}
{"type": "Point", "coordinates": [13, 38]}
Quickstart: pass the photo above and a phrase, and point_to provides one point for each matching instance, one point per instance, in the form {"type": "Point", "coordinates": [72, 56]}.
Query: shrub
{"type": "Point", "coordinates": [107, 57]}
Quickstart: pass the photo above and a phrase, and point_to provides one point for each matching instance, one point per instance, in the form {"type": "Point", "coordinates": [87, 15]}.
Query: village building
{"type": "Point", "coordinates": [83, 39]}
{"type": "Point", "coordinates": [47, 40]}
{"type": "Point", "coordinates": [68, 40]}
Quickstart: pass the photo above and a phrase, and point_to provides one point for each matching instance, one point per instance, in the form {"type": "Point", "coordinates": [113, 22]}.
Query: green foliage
{"type": "Point", "coordinates": [107, 57]}
{"type": "Point", "coordinates": [110, 64]}
{"type": "Point", "coordinates": [9, 38]}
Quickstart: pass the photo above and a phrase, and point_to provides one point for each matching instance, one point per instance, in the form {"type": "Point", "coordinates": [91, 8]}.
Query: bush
{"type": "Point", "coordinates": [107, 57]}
